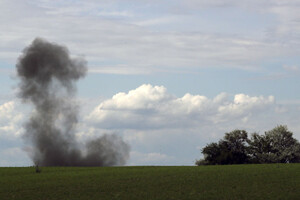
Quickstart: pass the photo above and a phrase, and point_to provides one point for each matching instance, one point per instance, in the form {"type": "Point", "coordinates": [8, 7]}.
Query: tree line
{"type": "Point", "coordinates": [275, 146]}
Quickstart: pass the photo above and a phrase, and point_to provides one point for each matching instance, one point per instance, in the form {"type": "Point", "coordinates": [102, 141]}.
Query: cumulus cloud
{"type": "Point", "coordinates": [11, 131]}
{"type": "Point", "coordinates": [10, 120]}
{"type": "Point", "coordinates": [152, 107]}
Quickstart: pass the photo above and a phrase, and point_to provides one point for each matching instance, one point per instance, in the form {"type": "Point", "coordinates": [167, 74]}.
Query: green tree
{"type": "Point", "coordinates": [236, 143]}
{"type": "Point", "coordinates": [275, 146]}
{"type": "Point", "coordinates": [232, 149]}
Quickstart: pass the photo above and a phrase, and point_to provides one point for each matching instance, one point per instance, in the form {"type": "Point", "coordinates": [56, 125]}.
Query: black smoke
{"type": "Point", "coordinates": [47, 80]}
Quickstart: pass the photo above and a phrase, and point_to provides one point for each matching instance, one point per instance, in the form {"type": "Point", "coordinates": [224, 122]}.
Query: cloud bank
{"type": "Point", "coordinates": [152, 107]}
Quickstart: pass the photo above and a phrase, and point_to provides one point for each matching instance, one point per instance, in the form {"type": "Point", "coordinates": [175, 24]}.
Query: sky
{"type": "Point", "coordinates": [167, 76]}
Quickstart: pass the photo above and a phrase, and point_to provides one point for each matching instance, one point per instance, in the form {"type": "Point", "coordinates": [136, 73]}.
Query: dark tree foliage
{"type": "Point", "coordinates": [275, 146]}
{"type": "Point", "coordinates": [231, 150]}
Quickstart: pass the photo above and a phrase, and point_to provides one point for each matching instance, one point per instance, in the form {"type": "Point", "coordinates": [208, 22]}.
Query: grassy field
{"type": "Point", "coordinates": [276, 181]}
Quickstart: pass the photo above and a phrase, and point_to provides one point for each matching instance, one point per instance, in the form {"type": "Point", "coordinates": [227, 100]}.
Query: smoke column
{"type": "Point", "coordinates": [47, 80]}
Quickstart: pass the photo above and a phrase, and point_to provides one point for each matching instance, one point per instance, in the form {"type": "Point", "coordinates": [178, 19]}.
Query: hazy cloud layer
{"type": "Point", "coordinates": [146, 37]}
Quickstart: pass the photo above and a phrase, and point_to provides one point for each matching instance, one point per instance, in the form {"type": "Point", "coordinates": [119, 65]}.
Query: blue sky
{"type": "Point", "coordinates": [179, 74]}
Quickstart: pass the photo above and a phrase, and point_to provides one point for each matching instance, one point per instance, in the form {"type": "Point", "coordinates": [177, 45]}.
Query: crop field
{"type": "Point", "coordinates": [273, 181]}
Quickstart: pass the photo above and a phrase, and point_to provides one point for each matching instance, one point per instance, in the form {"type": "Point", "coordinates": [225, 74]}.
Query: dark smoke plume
{"type": "Point", "coordinates": [47, 75]}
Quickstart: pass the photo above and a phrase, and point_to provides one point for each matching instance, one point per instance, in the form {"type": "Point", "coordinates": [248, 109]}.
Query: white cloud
{"type": "Point", "coordinates": [11, 131]}
{"type": "Point", "coordinates": [244, 105]}
{"type": "Point", "coordinates": [10, 120]}
{"type": "Point", "coordinates": [153, 107]}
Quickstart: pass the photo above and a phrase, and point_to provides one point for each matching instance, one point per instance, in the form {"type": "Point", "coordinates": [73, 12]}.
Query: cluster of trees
{"type": "Point", "coordinates": [275, 146]}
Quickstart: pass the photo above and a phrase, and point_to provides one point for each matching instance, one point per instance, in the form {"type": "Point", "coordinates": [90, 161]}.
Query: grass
{"type": "Point", "coordinates": [273, 181]}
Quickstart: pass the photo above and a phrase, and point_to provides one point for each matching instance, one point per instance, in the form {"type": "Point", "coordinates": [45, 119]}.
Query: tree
{"type": "Point", "coordinates": [231, 150]}
{"type": "Point", "coordinates": [236, 142]}
{"type": "Point", "coordinates": [211, 154]}
{"type": "Point", "coordinates": [275, 146]}
{"type": "Point", "coordinates": [258, 146]}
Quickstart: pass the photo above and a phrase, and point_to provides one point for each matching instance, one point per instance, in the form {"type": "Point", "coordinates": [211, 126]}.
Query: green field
{"type": "Point", "coordinates": [273, 181]}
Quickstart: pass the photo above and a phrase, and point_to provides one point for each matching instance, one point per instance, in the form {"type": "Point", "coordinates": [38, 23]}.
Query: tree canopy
{"type": "Point", "coordinates": [275, 146]}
